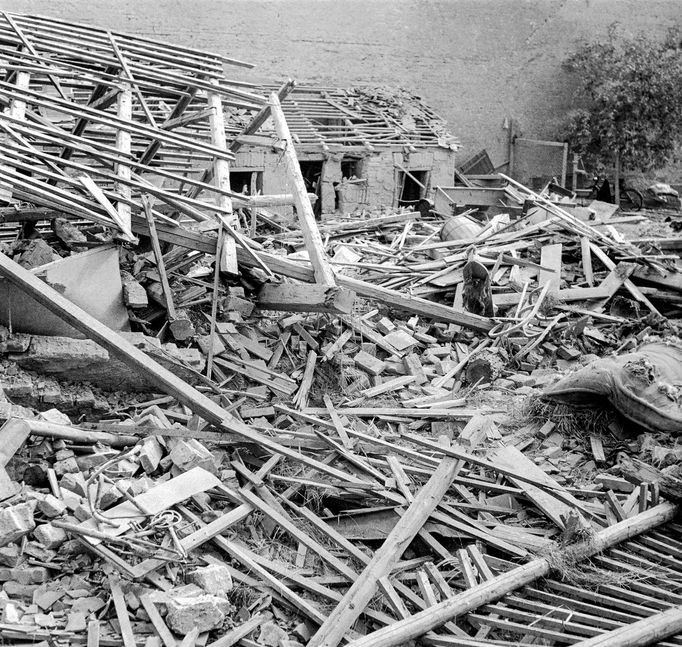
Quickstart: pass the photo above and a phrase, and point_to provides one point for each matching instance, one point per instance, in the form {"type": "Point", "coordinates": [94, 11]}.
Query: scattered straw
{"type": "Point", "coordinates": [577, 422]}
{"type": "Point", "coordinates": [584, 572]}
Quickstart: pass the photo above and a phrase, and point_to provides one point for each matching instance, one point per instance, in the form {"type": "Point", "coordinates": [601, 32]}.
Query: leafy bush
{"type": "Point", "coordinates": [629, 93]}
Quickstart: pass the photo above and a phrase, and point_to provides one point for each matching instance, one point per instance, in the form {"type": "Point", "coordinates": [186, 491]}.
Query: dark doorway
{"type": "Point", "coordinates": [412, 187]}
{"type": "Point", "coordinates": [312, 174]}
{"type": "Point", "coordinates": [247, 182]}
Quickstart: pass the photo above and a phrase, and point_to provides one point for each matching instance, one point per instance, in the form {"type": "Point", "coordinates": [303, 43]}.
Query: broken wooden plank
{"type": "Point", "coordinates": [586, 260]}
{"type": "Point", "coordinates": [512, 459]}
{"type": "Point", "coordinates": [121, 608]}
{"type": "Point", "coordinates": [290, 297]}
{"type": "Point", "coordinates": [550, 257]}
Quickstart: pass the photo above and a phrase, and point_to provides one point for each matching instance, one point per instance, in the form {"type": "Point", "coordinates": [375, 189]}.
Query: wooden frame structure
{"type": "Point", "coordinates": [126, 131]}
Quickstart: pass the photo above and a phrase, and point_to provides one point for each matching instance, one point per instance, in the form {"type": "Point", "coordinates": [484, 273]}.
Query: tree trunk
{"type": "Point", "coordinates": [616, 178]}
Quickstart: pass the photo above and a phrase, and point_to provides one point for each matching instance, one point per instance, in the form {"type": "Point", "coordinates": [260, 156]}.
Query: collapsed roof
{"type": "Point", "coordinates": [367, 117]}
{"type": "Point", "coordinates": [96, 121]}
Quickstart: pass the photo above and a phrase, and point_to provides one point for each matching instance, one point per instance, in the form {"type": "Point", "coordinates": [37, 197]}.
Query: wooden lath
{"type": "Point", "coordinates": [324, 117]}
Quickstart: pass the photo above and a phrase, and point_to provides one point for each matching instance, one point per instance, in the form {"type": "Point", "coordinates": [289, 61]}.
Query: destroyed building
{"type": "Point", "coordinates": [224, 427]}
{"type": "Point", "coordinates": [359, 148]}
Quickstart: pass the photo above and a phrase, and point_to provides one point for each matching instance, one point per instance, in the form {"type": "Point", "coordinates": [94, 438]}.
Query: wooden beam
{"type": "Point", "coordinates": [123, 143]}
{"type": "Point", "coordinates": [475, 196]}
{"type": "Point", "coordinates": [158, 255]}
{"type": "Point", "coordinates": [647, 631]}
{"type": "Point", "coordinates": [301, 272]}
{"type": "Point", "coordinates": [226, 257]}
{"type": "Point", "coordinates": [494, 589]}
{"type": "Point", "coordinates": [16, 110]}
{"type": "Point", "coordinates": [323, 271]}
{"type": "Point", "coordinates": [289, 297]}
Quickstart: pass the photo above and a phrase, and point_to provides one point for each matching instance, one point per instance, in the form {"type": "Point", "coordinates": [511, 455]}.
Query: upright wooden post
{"type": "Point", "coordinates": [227, 260]}
{"type": "Point", "coordinates": [616, 179]}
{"type": "Point", "coordinates": [15, 110]}
{"type": "Point", "coordinates": [124, 109]}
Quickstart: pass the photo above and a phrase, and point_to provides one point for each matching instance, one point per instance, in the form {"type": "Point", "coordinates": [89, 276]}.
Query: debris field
{"type": "Point", "coordinates": [226, 421]}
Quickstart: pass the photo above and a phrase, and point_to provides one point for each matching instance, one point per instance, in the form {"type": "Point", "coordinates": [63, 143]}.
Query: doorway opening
{"type": "Point", "coordinates": [246, 182]}
{"type": "Point", "coordinates": [412, 187]}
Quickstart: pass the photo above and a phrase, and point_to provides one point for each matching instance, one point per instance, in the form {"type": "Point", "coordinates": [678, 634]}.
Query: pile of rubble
{"type": "Point", "coordinates": [361, 431]}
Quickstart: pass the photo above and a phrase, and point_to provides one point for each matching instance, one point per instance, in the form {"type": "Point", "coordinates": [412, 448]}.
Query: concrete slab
{"type": "Point", "coordinates": [90, 280]}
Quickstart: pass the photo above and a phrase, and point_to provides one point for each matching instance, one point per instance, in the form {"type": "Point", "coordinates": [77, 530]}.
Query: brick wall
{"type": "Point", "coordinates": [475, 61]}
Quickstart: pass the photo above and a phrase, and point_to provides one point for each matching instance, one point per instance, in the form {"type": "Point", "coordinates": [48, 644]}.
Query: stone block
{"type": "Point", "coordinates": [51, 506]}
{"type": "Point", "coordinates": [214, 579]}
{"type": "Point", "coordinates": [16, 590]}
{"type": "Point", "coordinates": [25, 575]}
{"type": "Point", "coordinates": [49, 536]}
{"type": "Point", "coordinates": [10, 555]}
{"type": "Point", "coordinates": [66, 466]}
{"type": "Point", "coordinates": [36, 253]}
{"type": "Point", "coordinates": [151, 453]}
{"type": "Point", "coordinates": [272, 634]}
{"type": "Point", "coordinates": [15, 522]}
{"type": "Point", "coordinates": [189, 453]}
{"type": "Point", "coordinates": [206, 612]}
{"type": "Point", "coordinates": [100, 456]}
{"type": "Point", "coordinates": [237, 304]}
{"type": "Point", "coordinates": [73, 482]}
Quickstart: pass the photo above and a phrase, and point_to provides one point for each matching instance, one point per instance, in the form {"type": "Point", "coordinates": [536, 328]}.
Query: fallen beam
{"type": "Point", "coordinates": [496, 588]}
{"type": "Point", "coordinates": [290, 297]}
{"type": "Point", "coordinates": [299, 271]}
{"type": "Point", "coordinates": [197, 402]}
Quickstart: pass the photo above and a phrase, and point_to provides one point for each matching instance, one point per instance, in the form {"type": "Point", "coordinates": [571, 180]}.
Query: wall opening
{"type": "Point", "coordinates": [247, 182]}
{"type": "Point", "coordinates": [351, 174]}
{"type": "Point", "coordinates": [311, 170]}
{"type": "Point", "coordinates": [412, 187]}
{"type": "Point", "coordinates": [350, 168]}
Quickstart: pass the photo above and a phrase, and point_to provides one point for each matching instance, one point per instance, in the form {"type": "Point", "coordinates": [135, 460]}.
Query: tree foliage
{"type": "Point", "coordinates": [629, 93]}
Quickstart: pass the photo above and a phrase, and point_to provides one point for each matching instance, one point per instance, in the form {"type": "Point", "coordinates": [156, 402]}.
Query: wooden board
{"type": "Point", "coordinates": [156, 499]}
{"type": "Point", "coordinates": [512, 459]}
{"type": "Point", "coordinates": [550, 257]}
{"type": "Point", "coordinates": [291, 297]}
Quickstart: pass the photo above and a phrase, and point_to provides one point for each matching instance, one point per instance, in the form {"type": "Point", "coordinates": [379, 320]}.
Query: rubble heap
{"type": "Point", "coordinates": [306, 439]}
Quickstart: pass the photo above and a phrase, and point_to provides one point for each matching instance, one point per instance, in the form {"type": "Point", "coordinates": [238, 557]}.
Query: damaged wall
{"type": "Point", "coordinates": [474, 61]}
{"type": "Point", "coordinates": [379, 174]}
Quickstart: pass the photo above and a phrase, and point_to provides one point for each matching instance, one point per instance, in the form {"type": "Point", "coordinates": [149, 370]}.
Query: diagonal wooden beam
{"type": "Point", "coordinates": [168, 382]}
{"type": "Point", "coordinates": [25, 42]}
